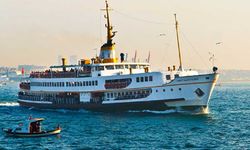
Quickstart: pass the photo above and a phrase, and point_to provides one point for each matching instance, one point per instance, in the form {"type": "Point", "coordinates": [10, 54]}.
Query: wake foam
{"type": "Point", "coordinates": [200, 111]}
{"type": "Point", "coordinates": [9, 104]}
{"type": "Point", "coordinates": [154, 112]}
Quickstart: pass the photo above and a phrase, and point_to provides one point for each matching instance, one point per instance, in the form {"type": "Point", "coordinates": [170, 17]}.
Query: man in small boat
{"type": "Point", "coordinates": [35, 127]}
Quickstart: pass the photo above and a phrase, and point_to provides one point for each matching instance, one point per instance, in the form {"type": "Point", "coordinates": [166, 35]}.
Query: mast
{"type": "Point", "coordinates": [110, 34]}
{"type": "Point", "coordinates": [107, 53]}
{"type": "Point", "coordinates": [178, 43]}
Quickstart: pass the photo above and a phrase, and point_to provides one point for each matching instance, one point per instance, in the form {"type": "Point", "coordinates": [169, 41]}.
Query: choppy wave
{"type": "Point", "coordinates": [9, 104]}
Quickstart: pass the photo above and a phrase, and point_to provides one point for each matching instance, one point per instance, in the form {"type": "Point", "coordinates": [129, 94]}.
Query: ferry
{"type": "Point", "coordinates": [106, 83]}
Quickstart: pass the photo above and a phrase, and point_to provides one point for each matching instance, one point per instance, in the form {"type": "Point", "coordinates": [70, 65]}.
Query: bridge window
{"type": "Point", "coordinates": [150, 78]}
{"type": "Point", "coordinates": [99, 68]}
{"type": "Point", "coordinates": [119, 67]}
{"type": "Point", "coordinates": [133, 66]}
{"type": "Point", "coordinates": [110, 67]}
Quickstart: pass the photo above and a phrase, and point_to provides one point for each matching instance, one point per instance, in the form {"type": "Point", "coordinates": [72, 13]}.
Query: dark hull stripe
{"type": "Point", "coordinates": [148, 105]}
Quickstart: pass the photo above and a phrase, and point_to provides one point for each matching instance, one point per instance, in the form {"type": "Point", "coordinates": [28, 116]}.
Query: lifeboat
{"type": "Point", "coordinates": [31, 128]}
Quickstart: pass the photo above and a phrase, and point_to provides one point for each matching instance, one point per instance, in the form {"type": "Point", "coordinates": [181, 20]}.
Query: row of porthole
{"type": "Point", "coordinates": [164, 90]}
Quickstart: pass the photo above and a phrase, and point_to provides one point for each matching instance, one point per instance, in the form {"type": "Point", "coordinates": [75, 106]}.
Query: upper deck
{"type": "Point", "coordinates": [92, 70]}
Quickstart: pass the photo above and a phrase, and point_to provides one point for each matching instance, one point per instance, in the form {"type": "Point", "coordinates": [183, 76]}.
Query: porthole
{"type": "Point", "coordinates": [172, 89]}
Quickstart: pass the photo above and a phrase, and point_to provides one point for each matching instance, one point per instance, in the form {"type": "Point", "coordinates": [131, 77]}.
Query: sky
{"type": "Point", "coordinates": [38, 31]}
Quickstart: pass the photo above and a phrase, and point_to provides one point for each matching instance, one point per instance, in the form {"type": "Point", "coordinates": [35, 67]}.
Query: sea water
{"type": "Point", "coordinates": [226, 125]}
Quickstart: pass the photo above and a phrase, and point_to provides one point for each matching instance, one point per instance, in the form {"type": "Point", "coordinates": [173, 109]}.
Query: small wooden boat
{"type": "Point", "coordinates": [31, 128]}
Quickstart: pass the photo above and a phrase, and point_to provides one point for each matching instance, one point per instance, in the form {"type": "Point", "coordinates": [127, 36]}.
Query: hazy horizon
{"type": "Point", "coordinates": [37, 32]}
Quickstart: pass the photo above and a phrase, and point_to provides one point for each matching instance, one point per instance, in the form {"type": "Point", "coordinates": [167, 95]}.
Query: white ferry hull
{"type": "Point", "coordinates": [187, 93]}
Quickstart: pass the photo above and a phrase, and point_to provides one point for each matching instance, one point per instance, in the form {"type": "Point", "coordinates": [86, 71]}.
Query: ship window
{"type": "Point", "coordinates": [93, 83]}
{"type": "Point", "coordinates": [164, 90]}
{"type": "Point", "coordinates": [168, 77]}
{"type": "Point", "coordinates": [111, 95]}
{"type": "Point", "coordinates": [179, 89]}
{"type": "Point", "coordinates": [172, 89]}
{"type": "Point", "coordinates": [119, 67]}
{"type": "Point", "coordinates": [83, 83]}
{"type": "Point", "coordinates": [133, 66]}
{"type": "Point", "coordinates": [146, 79]}
{"type": "Point", "coordinates": [126, 66]}
{"type": "Point", "coordinates": [67, 83]}
{"type": "Point", "coordinates": [96, 83]}
{"type": "Point", "coordinates": [137, 79]}
{"type": "Point", "coordinates": [176, 76]}
{"type": "Point", "coordinates": [80, 84]}
{"type": "Point", "coordinates": [89, 83]}
{"type": "Point", "coordinates": [156, 90]}
{"type": "Point", "coordinates": [110, 67]}
{"type": "Point", "coordinates": [142, 79]}
{"type": "Point", "coordinates": [150, 78]}
{"type": "Point", "coordinates": [107, 95]}
{"type": "Point", "coordinates": [99, 68]}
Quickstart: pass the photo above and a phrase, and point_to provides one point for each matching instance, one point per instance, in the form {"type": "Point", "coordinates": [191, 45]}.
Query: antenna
{"type": "Point", "coordinates": [178, 43]}
{"type": "Point", "coordinates": [110, 33]}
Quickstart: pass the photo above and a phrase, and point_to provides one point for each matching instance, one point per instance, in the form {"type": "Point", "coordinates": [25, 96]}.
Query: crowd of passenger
{"type": "Point", "coordinates": [72, 73]}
